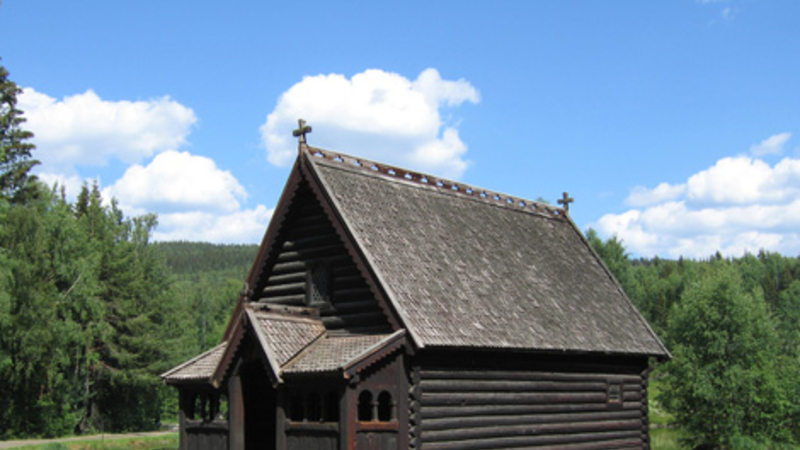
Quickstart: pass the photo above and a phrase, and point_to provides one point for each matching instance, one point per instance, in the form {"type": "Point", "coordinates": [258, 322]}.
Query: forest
{"type": "Point", "coordinates": [92, 311]}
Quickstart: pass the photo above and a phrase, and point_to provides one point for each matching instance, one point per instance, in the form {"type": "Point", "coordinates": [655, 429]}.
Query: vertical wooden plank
{"type": "Point", "coordinates": [280, 419]}
{"type": "Point", "coordinates": [235, 414]}
{"type": "Point", "coordinates": [402, 404]}
{"type": "Point", "coordinates": [347, 417]}
{"type": "Point", "coordinates": [182, 405]}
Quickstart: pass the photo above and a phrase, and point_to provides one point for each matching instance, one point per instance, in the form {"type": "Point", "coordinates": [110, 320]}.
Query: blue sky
{"type": "Point", "coordinates": [675, 125]}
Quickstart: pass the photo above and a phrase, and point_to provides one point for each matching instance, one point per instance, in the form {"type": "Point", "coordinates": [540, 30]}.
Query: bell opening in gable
{"type": "Point", "coordinates": [320, 286]}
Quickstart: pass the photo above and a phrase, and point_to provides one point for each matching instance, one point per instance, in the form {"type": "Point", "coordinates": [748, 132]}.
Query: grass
{"type": "Point", "coordinates": [665, 439]}
{"type": "Point", "coordinates": [662, 437]}
{"type": "Point", "coordinates": [165, 442]}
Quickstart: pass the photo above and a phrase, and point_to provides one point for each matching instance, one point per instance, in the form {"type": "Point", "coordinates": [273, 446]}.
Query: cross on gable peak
{"type": "Point", "coordinates": [301, 131]}
{"type": "Point", "coordinates": [565, 200]}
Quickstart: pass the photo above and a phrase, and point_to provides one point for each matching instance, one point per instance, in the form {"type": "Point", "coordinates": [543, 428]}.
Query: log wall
{"type": "Point", "coordinates": [308, 239]}
{"type": "Point", "coordinates": [473, 408]}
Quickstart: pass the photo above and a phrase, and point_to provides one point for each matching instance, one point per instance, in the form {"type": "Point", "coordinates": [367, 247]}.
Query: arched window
{"type": "Point", "coordinates": [365, 406]}
{"type": "Point", "coordinates": [385, 407]}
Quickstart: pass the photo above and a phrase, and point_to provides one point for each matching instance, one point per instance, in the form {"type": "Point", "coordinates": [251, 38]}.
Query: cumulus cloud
{"type": "Point", "coordinates": [194, 199]}
{"type": "Point", "coordinates": [71, 184]}
{"type": "Point", "coordinates": [740, 204]}
{"type": "Point", "coordinates": [84, 129]}
{"type": "Point", "coordinates": [375, 114]}
{"type": "Point", "coordinates": [245, 226]}
{"type": "Point", "coordinates": [176, 181]}
{"type": "Point", "coordinates": [641, 196]}
{"type": "Point", "coordinates": [772, 145]}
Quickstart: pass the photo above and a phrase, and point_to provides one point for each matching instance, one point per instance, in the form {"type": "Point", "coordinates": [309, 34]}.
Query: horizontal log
{"type": "Point", "coordinates": [488, 432]}
{"type": "Point", "coordinates": [365, 319]}
{"type": "Point", "coordinates": [522, 398]}
{"type": "Point", "coordinates": [312, 241]}
{"type": "Point", "coordinates": [309, 253]}
{"type": "Point", "coordinates": [344, 295]}
{"type": "Point", "coordinates": [291, 300]}
{"type": "Point", "coordinates": [432, 412]}
{"type": "Point", "coordinates": [531, 441]}
{"type": "Point", "coordinates": [617, 444]}
{"type": "Point", "coordinates": [450, 423]}
{"type": "Point", "coordinates": [632, 396]}
{"type": "Point", "coordinates": [297, 231]}
{"type": "Point", "coordinates": [364, 305]}
{"type": "Point", "coordinates": [284, 289]}
{"type": "Point", "coordinates": [289, 267]}
{"type": "Point", "coordinates": [292, 277]}
{"type": "Point", "coordinates": [527, 375]}
{"type": "Point", "coordinates": [309, 219]}
{"type": "Point", "coordinates": [513, 386]}
{"type": "Point", "coordinates": [305, 203]}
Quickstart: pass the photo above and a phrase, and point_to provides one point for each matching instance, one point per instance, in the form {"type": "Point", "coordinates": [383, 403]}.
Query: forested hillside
{"type": "Point", "coordinates": [208, 278]}
{"type": "Point", "coordinates": [199, 257]}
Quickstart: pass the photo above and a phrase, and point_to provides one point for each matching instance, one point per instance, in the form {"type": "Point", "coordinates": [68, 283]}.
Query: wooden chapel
{"type": "Point", "coordinates": [389, 309]}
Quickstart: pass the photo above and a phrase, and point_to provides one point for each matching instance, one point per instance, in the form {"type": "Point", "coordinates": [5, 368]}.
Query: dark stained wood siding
{"type": "Point", "coordinates": [553, 406]}
{"type": "Point", "coordinates": [308, 239]}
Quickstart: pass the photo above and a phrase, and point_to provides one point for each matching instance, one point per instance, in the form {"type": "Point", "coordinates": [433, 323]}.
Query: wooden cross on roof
{"type": "Point", "coordinates": [566, 200]}
{"type": "Point", "coordinates": [301, 131]}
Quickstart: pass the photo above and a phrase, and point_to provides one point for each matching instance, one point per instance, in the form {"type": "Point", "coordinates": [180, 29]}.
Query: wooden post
{"type": "Point", "coordinates": [183, 400]}
{"type": "Point", "coordinates": [235, 414]}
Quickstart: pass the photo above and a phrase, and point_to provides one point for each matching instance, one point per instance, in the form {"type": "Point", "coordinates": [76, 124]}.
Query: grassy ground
{"type": "Point", "coordinates": [166, 442]}
{"type": "Point", "coordinates": [662, 437]}
{"type": "Point", "coordinates": [665, 439]}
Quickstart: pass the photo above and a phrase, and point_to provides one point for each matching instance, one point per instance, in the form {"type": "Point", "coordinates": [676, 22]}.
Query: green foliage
{"type": "Point", "coordinates": [722, 383]}
{"type": "Point", "coordinates": [208, 278]}
{"type": "Point", "coordinates": [15, 150]}
{"type": "Point", "coordinates": [733, 326]}
{"type": "Point", "coordinates": [89, 318]}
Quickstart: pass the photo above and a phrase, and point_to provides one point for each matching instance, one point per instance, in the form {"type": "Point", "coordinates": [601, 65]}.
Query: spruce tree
{"type": "Point", "coordinates": [15, 146]}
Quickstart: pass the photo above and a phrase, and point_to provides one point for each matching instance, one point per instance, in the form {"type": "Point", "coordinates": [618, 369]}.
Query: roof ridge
{"type": "Point", "coordinates": [442, 184]}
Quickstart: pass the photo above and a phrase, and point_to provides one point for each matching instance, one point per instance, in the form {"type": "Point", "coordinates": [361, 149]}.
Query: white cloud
{"type": "Point", "coordinates": [738, 205]}
{"type": "Point", "coordinates": [72, 184]}
{"type": "Point", "coordinates": [178, 181]}
{"type": "Point", "coordinates": [744, 180]}
{"type": "Point", "coordinates": [641, 196]}
{"type": "Point", "coordinates": [84, 129]}
{"type": "Point", "coordinates": [246, 226]}
{"type": "Point", "coordinates": [772, 145]}
{"type": "Point", "coordinates": [194, 199]}
{"type": "Point", "coordinates": [374, 114]}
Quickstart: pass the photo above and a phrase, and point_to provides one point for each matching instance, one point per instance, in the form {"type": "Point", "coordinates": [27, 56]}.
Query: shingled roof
{"type": "Point", "coordinates": [291, 344]}
{"type": "Point", "coordinates": [198, 369]}
{"type": "Point", "coordinates": [468, 268]}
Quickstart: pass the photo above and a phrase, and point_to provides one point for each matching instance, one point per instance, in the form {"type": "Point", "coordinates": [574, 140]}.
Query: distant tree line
{"type": "Point", "coordinates": [733, 327]}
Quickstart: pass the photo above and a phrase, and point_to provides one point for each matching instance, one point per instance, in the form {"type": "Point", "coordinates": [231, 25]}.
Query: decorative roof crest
{"type": "Point", "coordinates": [453, 187]}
